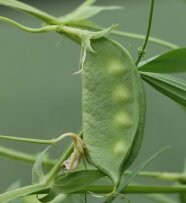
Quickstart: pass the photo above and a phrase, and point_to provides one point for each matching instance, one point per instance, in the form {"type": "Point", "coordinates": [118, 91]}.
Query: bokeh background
{"type": "Point", "coordinates": [41, 98]}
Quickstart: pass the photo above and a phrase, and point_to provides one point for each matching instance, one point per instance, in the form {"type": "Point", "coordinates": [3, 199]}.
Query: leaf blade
{"type": "Point", "coordinates": [170, 62]}
{"type": "Point", "coordinates": [135, 172]}
{"type": "Point", "coordinates": [29, 9]}
{"type": "Point", "coordinates": [37, 169]}
{"type": "Point", "coordinates": [172, 87]}
{"type": "Point", "coordinates": [84, 12]}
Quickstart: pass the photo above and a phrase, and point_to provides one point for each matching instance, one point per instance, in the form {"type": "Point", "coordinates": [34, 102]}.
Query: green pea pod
{"type": "Point", "coordinates": [113, 108]}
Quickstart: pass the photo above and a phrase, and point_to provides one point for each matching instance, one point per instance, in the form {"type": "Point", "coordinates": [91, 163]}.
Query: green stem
{"type": "Point", "coordinates": [134, 189]}
{"type": "Point", "coordinates": [131, 35]}
{"type": "Point", "coordinates": [57, 166]}
{"type": "Point", "coordinates": [178, 177]}
{"type": "Point", "coordinates": [23, 191]}
{"type": "Point", "coordinates": [46, 182]}
{"type": "Point", "coordinates": [38, 141]}
{"type": "Point", "coordinates": [30, 159]}
{"type": "Point", "coordinates": [22, 156]}
{"type": "Point", "coordinates": [30, 140]}
{"type": "Point", "coordinates": [52, 28]}
{"type": "Point", "coordinates": [142, 51]}
{"type": "Point", "coordinates": [54, 171]}
{"type": "Point", "coordinates": [142, 37]}
{"type": "Point", "coordinates": [98, 189]}
{"type": "Point", "coordinates": [28, 29]}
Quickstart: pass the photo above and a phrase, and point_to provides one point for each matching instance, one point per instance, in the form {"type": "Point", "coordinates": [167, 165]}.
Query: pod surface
{"type": "Point", "coordinates": [111, 107]}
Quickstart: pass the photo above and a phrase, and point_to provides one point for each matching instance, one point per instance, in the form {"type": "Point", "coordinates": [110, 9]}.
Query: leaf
{"type": "Point", "coordinates": [20, 192]}
{"type": "Point", "coordinates": [14, 186]}
{"type": "Point", "coordinates": [49, 197]}
{"type": "Point", "coordinates": [62, 198]}
{"type": "Point", "coordinates": [37, 170]}
{"type": "Point", "coordinates": [76, 180]}
{"type": "Point", "coordinates": [135, 173]}
{"type": "Point", "coordinates": [170, 62]}
{"type": "Point", "coordinates": [85, 11]}
{"type": "Point", "coordinates": [173, 87]}
{"type": "Point", "coordinates": [29, 9]}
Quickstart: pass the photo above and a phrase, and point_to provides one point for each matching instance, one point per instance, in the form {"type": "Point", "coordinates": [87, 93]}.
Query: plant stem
{"type": "Point", "coordinates": [38, 141]}
{"type": "Point", "coordinates": [30, 140]}
{"type": "Point", "coordinates": [46, 182]}
{"type": "Point", "coordinates": [54, 28]}
{"type": "Point", "coordinates": [178, 177]}
{"type": "Point", "coordinates": [30, 159]}
{"type": "Point", "coordinates": [142, 51]}
{"type": "Point", "coordinates": [23, 191]}
{"type": "Point", "coordinates": [54, 171]}
{"type": "Point", "coordinates": [99, 189]}
{"type": "Point", "coordinates": [22, 156]}
{"type": "Point", "coordinates": [131, 35]}
{"type": "Point", "coordinates": [142, 189]}
{"type": "Point", "coordinates": [142, 37]}
{"type": "Point", "coordinates": [28, 29]}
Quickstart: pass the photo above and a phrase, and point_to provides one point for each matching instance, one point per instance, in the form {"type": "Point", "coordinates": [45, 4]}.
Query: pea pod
{"type": "Point", "coordinates": [113, 108]}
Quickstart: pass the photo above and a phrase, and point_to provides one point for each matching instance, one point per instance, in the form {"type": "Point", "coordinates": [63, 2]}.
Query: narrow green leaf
{"type": "Point", "coordinates": [84, 12]}
{"type": "Point", "coordinates": [37, 170]}
{"type": "Point", "coordinates": [62, 198]}
{"type": "Point", "coordinates": [49, 197]}
{"type": "Point", "coordinates": [135, 172]}
{"type": "Point", "coordinates": [20, 192]}
{"type": "Point", "coordinates": [14, 186]}
{"type": "Point", "coordinates": [170, 62]}
{"type": "Point", "coordinates": [173, 87]}
{"type": "Point", "coordinates": [29, 9]}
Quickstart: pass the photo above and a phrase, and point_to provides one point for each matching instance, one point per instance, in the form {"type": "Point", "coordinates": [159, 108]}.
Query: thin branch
{"type": "Point", "coordinates": [22, 156]}
{"type": "Point", "coordinates": [13, 194]}
{"type": "Point", "coordinates": [29, 140]}
{"type": "Point", "coordinates": [142, 37]}
{"type": "Point", "coordinates": [54, 28]}
{"type": "Point", "coordinates": [38, 141]}
{"type": "Point", "coordinates": [129, 35]}
{"type": "Point", "coordinates": [134, 189]}
{"type": "Point", "coordinates": [141, 52]}
{"type": "Point", "coordinates": [167, 176]}
{"type": "Point", "coordinates": [30, 159]}
{"type": "Point", "coordinates": [29, 29]}
{"type": "Point", "coordinates": [98, 189]}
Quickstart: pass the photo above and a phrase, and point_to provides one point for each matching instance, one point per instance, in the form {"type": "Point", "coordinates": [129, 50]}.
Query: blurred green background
{"type": "Point", "coordinates": [41, 98]}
